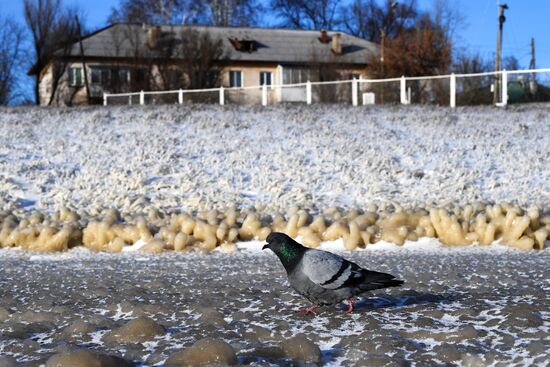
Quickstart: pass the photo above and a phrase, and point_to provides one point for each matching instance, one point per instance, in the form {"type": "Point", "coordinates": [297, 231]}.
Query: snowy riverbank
{"type": "Point", "coordinates": [177, 178]}
{"type": "Point", "coordinates": [207, 157]}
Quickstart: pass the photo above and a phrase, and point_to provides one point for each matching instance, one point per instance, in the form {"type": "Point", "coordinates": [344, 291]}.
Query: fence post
{"type": "Point", "coordinates": [264, 95]}
{"type": "Point", "coordinates": [504, 87]}
{"type": "Point", "coordinates": [453, 90]}
{"type": "Point", "coordinates": [130, 100]}
{"type": "Point", "coordinates": [222, 96]}
{"type": "Point", "coordinates": [105, 99]}
{"type": "Point", "coordinates": [141, 98]}
{"type": "Point", "coordinates": [308, 92]}
{"type": "Point", "coordinates": [403, 85]}
{"type": "Point", "coordinates": [354, 92]}
{"type": "Point", "coordinates": [180, 96]}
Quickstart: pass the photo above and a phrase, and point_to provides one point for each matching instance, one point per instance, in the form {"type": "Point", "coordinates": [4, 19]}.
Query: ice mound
{"type": "Point", "coordinates": [205, 352]}
{"type": "Point", "coordinates": [206, 231]}
{"type": "Point", "coordinates": [84, 357]}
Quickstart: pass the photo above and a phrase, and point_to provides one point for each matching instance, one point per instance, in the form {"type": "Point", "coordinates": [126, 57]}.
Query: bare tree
{"type": "Point", "coordinates": [159, 12]}
{"type": "Point", "coordinates": [368, 19]}
{"type": "Point", "coordinates": [11, 38]}
{"type": "Point", "coordinates": [242, 13]}
{"type": "Point", "coordinates": [511, 63]}
{"type": "Point", "coordinates": [65, 34]}
{"type": "Point", "coordinates": [201, 59]}
{"type": "Point", "coordinates": [211, 12]}
{"type": "Point", "coordinates": [420, 50]}
{"type": "Point", "coordinates": [53, 30]}
{"type": "Point", "coordinates": [307, 14]}
{"type": "Point", "coordinates": [448, 17]}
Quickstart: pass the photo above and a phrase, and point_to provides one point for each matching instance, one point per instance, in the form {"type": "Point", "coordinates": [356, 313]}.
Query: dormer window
{"type": "Point", "coordinates": [243, 45]}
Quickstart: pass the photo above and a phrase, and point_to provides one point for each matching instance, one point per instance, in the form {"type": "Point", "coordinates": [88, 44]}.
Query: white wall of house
{"type": "Point", "coordinates": [67, 92]}
{"type": "Point", "coordinates": [71, 89]}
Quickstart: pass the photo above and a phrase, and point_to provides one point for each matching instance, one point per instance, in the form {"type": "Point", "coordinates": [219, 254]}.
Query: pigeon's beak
{"type": "Point", "coordinates": [265, 246]}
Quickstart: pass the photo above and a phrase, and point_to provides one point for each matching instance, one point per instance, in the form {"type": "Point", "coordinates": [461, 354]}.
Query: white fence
{"type": "Point", "coordinates": [427, 89]}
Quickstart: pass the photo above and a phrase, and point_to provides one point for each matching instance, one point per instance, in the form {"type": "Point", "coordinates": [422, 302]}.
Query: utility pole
{"type": "Point", "coordinates": [532, 66]}
{"type": "Point", "coordinates": [501, 20]}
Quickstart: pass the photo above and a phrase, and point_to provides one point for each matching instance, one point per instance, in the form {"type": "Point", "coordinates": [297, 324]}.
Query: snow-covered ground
{"type": "Point", "coordinates": [168, 157]}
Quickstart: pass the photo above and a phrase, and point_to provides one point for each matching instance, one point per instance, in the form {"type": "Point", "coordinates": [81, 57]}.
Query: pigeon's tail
{"type": "Point", "coordinates": [374, 280]}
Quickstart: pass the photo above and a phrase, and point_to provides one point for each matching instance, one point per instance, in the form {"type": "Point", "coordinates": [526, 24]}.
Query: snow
{"type": "Point", "coordinates": [187, 158]}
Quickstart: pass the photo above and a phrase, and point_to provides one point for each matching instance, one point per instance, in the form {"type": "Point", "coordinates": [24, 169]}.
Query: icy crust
{"type": "Point", "coordinates": [207, 231]}
{"type": "Point", "coordinates": [207, 157]}
{"type": "Point", "coordinates": [479, 308]}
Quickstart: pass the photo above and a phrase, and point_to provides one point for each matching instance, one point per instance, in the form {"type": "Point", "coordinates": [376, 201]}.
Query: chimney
{"type": "Point", "coordinates": [153, 36]}
{"type": "Point", "coordinates": [324, 37]}
{"type": "Point", "coordinates": [336, 45]}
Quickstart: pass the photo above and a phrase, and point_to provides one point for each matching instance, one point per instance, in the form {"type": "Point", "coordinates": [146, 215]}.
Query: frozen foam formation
{"type": "Point", "coordinates": [77, 330]}
{"type": "Point", "coordinates": [153, 247]}
{"type": "Point", "coordinates": [302, 350]}
{"type": "Point", "coordinates": [85, 358]}
{"type": "Point", "coordinates": [111, 236]}
{"type": "Point", "coordinates": [4, 314]}
{"type": "Point", "coordinates": [205, 352]}
{"type": "Point", "coordinates": [139, 330]}
{"type": "Point", "coordinates": [39, 235]}
{"type": "Point", "coordinates": [208, 230]}
{"type": "Point", "coordinates": [8, 361]}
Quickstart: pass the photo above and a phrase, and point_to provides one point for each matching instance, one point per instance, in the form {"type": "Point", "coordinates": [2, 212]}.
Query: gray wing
{"type": "Point", "coordinates": [326, 269]}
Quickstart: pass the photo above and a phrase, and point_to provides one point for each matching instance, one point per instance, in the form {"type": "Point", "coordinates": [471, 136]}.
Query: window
{"type": "Point", "coordinates": [100, 76]}
{"type": "Point", "coordinates": [235, 79]}
{"type": "Point", "coordinates": [265, 78]}
{"type": "Point", "coordinates": [96, 76]}
{"type": "Point", "coordinates": [292, 75]}
{"type": "Point", "coordinates": [105, 76]}
{"type": "Point", "coordinates": [75, 77]}
{"type": "Point", "coordinates": [124, 76]}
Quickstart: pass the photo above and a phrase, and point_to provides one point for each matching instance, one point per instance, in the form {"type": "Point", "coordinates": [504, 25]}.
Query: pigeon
{"type": "Point", "coordinates": [322, 277]}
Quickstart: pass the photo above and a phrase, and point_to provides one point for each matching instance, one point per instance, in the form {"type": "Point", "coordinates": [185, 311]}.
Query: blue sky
{"type": "Point", "coordinates": [525, 19]}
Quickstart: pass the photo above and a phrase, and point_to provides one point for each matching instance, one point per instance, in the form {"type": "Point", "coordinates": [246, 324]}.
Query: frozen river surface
{"type": "Point", "coordinates": [470, 307]}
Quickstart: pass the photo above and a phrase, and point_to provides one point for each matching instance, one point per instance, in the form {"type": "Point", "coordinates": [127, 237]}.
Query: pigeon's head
{"type": "Point", "coordinates": [280, 243]}
{"type": "Point", "coordinates": [276, 240]}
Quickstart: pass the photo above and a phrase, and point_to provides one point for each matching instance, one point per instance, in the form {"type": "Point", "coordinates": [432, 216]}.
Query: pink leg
{"type": "Point", "coordinates": [351, 303]}
{"type": "Point", "coordinates": [306, 310]}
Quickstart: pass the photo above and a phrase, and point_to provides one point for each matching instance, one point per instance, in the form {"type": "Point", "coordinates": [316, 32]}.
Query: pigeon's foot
{"type": "Point", "coordinates": [351, 303]}
{"type": "Point", "coordinates": [306, 310]}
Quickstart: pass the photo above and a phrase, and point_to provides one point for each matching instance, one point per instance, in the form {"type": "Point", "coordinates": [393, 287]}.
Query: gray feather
{"type": "Point", "coordinates": [325, 269]}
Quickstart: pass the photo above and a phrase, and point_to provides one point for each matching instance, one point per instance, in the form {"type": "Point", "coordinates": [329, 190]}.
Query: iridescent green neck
{"type": "Point", "coordinates": [288, 251]}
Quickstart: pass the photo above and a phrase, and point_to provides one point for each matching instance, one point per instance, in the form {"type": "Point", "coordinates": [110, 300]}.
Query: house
{"type": "Point", "coordinates": [132, 57]}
